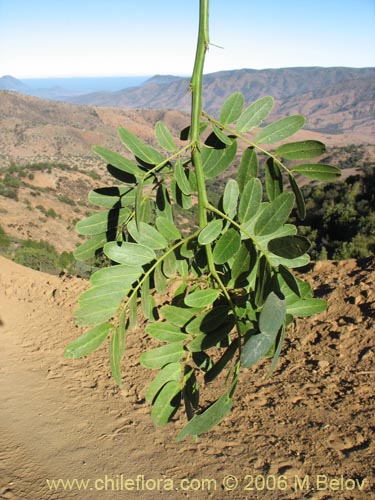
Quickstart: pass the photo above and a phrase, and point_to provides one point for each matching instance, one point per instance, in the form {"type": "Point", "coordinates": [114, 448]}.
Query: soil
{"type": "Point", "coordinates": [306, 432]}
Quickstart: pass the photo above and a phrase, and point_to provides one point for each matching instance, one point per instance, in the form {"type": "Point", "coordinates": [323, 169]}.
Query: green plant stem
{"type": "Point", "coordinates": [196, 109]}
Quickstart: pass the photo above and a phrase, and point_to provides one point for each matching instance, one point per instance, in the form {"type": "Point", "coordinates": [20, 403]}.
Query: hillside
{"type": "Point", "coordinates": [314, 416]}
{"type": "Point", "coordinates": [341, 100]}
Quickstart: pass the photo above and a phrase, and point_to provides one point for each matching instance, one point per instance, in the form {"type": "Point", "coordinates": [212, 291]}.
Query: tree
{"type": "Point", "coordinates": [234, 291]}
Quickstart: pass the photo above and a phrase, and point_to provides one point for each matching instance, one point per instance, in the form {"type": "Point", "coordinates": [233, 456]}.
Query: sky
{"type": "Point", "coordinates": [66, 38]}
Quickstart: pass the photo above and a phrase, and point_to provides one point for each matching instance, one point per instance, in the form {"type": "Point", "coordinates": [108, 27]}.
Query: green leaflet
{"type": "Point", "coordinates": [157, 358]}
{"type": "Point", "coordinates": [201, 298]}
{"type": "Point", "coordinates": [139, 149]}
{"type": "Point", "coordinates": [96, 311]}
{"type": "Point", "coordinates": [166, 332]}
{"type": "Point", "coordinates": [164, 137]}
{"type": "Point", "coordinates": [160, 281]}
{"type": "Point", "coordinates": [248, 168]}
{"type": "Point", "coordinates": [116, 353]}
{"type": "Point", "coordinates": [126, 275]}
{"type": "Point", "coordinates": [221, 136]}
{"type": "Point", "coordinates": [280, 129]}
{"type": "Point", "coordinates": [290, 280]}
{"type": "Point", "coordinates": [184, 200]}
{"type": "Point", "coordinates": [88, 249]}
{"type": "Point", "coordinates": [254, 115]}
{"type": "Point", "coordinates": [109, 291]}
{"type": "Point", "coordinates": [209, 418]}
{"type": "Point", "coordinates": [163, 203]}
{"type": "Point", "coordinates": [301, 150]}
{"type": "Point", "coordinates": [232, 108]}
{"type": "Point", "coordinates": [165, 403]}
{"type": "Point", "coordinates": [274, 180]}
{"type": "Point", "coordinates": [227, 245]}
{"type": "Point", "coordinates": [301, 207]}
{"type": "Point", "coordinates": [102, 221]}
{"type": "Point", "coordinates": [167, 228]}
{"type": "Point", "coordinates": [272, 315]}
{"type": "Point", "coordinates": [178, 316]}
{"type": "Point", "coordinates": [215, 161]}
{"type": "Point", "coordinates": [147, 300]}
{"type": "Point", "coordinates": [169, 265]}
{"type": "Point", "coordinates": [230, 198]}
{"type": "Point", "coordinates": [244, 261]}
{"type": "Point", "coordinates": [131, 254]}
{"type": "Point", "coordinates": [87, 343]}
{"type": "Point", "coordinates": [250, 200]}
{"type": "Point", "coordinates": [118, 161]}
{"type": "Point", "coordinates": [112, 197]}
{"type": "Point", "coordinates": [181, 178]}
{"type": "Point", "coordinates": [210, 232]}
{"type": "Point", "coordinates": [307, 307]}
{"type": "Point", "coordinates": [271, 319]}
{"type": "Point", "coordinates": [289, 247]}
{"type": "Point", "coordinates": [318, 171]}
{"type": "Point", "coordinates": [275, 214]}
{"type": "Point", "coordinates": [147, 235]}
{"type": "Point", "coordinates": [172, 371]}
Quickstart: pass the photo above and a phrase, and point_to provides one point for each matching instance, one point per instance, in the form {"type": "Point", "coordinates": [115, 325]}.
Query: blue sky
{"type": "Point", "coordinates": [41, 38]}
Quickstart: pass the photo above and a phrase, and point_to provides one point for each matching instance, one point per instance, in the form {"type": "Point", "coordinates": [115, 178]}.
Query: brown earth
{"type": "Point", "coordinates": [66, 419]}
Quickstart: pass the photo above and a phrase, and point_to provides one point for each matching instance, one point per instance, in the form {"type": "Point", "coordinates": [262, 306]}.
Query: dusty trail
{"type": "Point", "coordinates": [66, 419]}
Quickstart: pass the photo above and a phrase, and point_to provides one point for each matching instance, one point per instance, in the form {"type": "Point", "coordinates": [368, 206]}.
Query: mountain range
{"type": "Point", "coordinates": [336, 100]}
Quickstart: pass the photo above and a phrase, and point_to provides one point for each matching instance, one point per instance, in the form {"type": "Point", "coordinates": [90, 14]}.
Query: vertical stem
{"type": "Point", "coordinates": [196, 109]}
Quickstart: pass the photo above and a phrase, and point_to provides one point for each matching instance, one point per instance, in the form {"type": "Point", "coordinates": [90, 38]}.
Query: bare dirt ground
{"type": "Point", "coordinates": [308, 432]}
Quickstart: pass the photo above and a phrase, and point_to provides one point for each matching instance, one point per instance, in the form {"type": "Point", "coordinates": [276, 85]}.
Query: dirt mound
{"type": "Point", "coordinates": [308, 432]}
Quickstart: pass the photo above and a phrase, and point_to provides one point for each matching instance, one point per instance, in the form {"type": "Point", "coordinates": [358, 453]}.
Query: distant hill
{"type": "Point", "coordinates": [8, 82]}
{"type": "Point", "coordinates": [34, 129]}
{"type": "Point", "coordinates": [336, 100]}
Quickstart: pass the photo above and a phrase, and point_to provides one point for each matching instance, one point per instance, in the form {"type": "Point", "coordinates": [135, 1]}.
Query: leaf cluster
{"type": "Point", "coordinates": [235, 291]}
